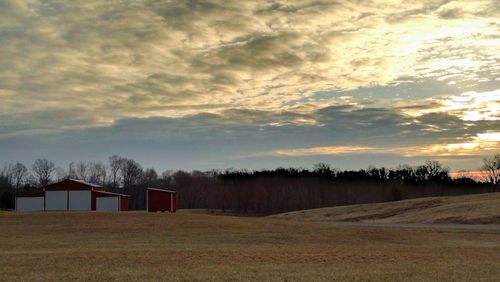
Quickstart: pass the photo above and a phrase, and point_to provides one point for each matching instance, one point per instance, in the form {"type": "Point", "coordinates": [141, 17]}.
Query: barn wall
{"type": "Point", "coordinates": [29, 203]}
{"type": "Point", "coordinates": [107, 203]}
{"type": "Point", "coordinates": [67, 185]}
{"type": "Point", "coordinates": [93, 201]}
{"type": "Point", "coordinates": [123, 203]}
{"type": "Point", "coordinates": [174, 207]}
{"type": "Point", "coordinates": [80, 200]}
{"type": "Point", "coordinates": [56, 200]}
{"type": "Point", "coordinates": [160, 201]}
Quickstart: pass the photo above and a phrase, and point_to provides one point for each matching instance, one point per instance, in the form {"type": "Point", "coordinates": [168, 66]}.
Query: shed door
{"type": "Point", "coordinates": [29, 204]}
{"type": "Point", "coordinates": [107, 204]}
{"type": "Point", "coordinates": [80, 200]}
{"type": "Point", "coordinates": [56, 200]}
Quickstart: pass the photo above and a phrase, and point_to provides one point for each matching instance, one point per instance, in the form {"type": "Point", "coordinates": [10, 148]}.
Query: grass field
{"type": "Point", "coordinates": [137, 246]}
{"type": "Point", "coordinates": [469, 209]}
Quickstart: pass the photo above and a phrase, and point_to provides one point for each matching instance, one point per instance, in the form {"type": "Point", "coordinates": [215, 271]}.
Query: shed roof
{"type": "Point", "coordinates": [162, 190]}
{"type": "Point", "coordinates": [111, 193]}
{"type": "Point", "coordinates": [86, 183]}
{"type": "Point", "coordinates": [78, 181]}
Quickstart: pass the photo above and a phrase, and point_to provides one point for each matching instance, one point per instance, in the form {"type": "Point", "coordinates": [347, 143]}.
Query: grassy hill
{"type": "Point", "coordinates": [470, 209]}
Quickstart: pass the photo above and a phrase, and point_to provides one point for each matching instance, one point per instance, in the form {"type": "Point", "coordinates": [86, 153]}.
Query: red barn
{"type": "Point", "coordinates": [73, 195]}
{"type": "Point", "coordinates": [161, 200]}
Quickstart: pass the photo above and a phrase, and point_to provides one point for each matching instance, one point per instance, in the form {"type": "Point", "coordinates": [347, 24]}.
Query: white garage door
{"type": "Point", "coordinates": [80, 200]}
{"type": "Point", "coordinates": [29, 204]}
{"type": "Point", "coordinates": [107, 204]}
{"type": "Point", "coordinates": [56, 200]}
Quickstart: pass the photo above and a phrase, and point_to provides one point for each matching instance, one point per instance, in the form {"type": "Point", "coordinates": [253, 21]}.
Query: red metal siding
{"type": "Point", "coordinates": [35, 194]}
{"type": "Point", "coordinates": [67, 185]}
{"type": "Point", "coordinates": [123, 203]}
{"type": "Point", "coordinates": [161, 201]}
{"type": "Point", "coordinates": [93, 202]}
{"type": "Point", "coordinates": [175, 202]}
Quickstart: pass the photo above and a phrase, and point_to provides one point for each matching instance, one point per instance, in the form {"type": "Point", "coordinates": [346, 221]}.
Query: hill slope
{"type": "Point", "coordinates": [469, 209]}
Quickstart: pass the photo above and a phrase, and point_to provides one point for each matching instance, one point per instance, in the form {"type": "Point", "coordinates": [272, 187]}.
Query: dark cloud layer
{"type": "Point", "coordinates": [238, 137]}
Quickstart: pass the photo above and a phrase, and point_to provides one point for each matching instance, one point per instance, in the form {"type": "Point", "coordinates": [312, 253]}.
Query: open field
{"type": "Point", "coordinates": [134, 246]}
{"type": "Point", "coordinates": [469, 209]}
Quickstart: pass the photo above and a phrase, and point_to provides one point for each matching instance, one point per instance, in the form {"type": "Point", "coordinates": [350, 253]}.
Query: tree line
{"type": "Point", "coordinates": [257, 192]}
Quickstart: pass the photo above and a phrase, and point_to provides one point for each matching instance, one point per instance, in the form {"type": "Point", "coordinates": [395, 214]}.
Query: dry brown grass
{"type": "Point", "coordinates": [470, 209]}
{"type": "Point", "coordinates": [136, 246]}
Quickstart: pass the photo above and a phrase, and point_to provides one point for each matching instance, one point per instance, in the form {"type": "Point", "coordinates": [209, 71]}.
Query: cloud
{"type": "Point", "coordinates": [469, 106]}
{"type": "Point", "coordinates": [482, 145]}
{"type": "Point", "coordinates": [331, 77]}
{"type": "Point", "coordinates": [332, 150]}
{"type": "Point", "coordinates": [473, 106]}
{"type": "Point", "coordinates": [107, 60]}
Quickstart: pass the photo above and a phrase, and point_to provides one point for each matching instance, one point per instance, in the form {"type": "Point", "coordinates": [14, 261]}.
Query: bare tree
{"type": "Point", "coordinates": [18, 174]}
{"type": "Point", "coordinates": [60, 173]}
{"type": "Point", "coordinates": [115, 164]}
{"type": "Point", "coordinates": [97, 173]}
{"type": "Point", "coordinates": [431, 170]}
{"type": "Point", "coordinates": [72, 170]}
{"type": "Point", "coordinates": [150, 176]}
{"type": "Point", "coordinates": [131, 172]}
{"type": "Point", "coordinates": [43, 169]}
{"type": "Point", "coordinates": [82, 171]}
{"type": "Point", "coordinates": [324, 169]}
{"type": "Point", "coordinates": [492, 168]}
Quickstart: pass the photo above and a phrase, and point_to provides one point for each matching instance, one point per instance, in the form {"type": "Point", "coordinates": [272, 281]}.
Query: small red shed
{"type": "Point", "coordinates": [161, 200]}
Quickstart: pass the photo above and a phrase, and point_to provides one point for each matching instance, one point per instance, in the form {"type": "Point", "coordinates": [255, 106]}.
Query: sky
{"type": "Point", "coordinates": [250, 84]}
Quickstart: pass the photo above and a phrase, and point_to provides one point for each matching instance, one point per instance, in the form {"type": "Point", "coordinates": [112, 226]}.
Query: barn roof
{"type": "Point", "coordinates": [162, 190]}
{"type": "Point", "coordinates": [85, 183]}
{"type": "Point", "coordinates": [79, 181]}
{"type": "Point", "coordinates": [111, 193]}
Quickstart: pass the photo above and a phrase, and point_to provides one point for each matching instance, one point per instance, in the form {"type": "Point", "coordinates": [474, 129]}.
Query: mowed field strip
{"type": "Point", "coordinates": [137, 246]}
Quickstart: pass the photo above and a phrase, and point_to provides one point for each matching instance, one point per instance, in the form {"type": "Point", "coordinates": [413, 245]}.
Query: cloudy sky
{"type": "Point", "coordinates": [255, 84]}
